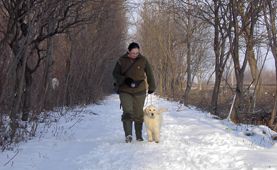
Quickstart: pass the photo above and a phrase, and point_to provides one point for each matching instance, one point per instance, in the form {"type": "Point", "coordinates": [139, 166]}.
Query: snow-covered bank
{"type": "Point", "coordinates": [190, 139]}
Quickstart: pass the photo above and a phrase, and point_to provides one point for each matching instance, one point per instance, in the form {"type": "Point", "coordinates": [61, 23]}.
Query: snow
{"type": "Point", "coordinates": [190, 140]}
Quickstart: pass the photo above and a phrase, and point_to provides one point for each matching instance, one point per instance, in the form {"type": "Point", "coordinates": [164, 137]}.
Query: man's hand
{"type": "Point", "coordinates": [128, 81]}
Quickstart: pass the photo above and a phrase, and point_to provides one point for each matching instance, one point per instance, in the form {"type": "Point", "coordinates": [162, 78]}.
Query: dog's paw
{"type": "Point", "coordinates": [157, 141]}
{"type": "Point", "coordinates": [150, 141]}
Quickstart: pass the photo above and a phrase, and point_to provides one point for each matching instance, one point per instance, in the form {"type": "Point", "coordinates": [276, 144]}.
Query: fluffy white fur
{"type": "Point", "coordinates": [153, 120]}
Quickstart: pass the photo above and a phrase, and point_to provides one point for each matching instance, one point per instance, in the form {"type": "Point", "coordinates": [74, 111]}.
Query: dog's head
{"type": "Point", "coordinates": [153, 111]}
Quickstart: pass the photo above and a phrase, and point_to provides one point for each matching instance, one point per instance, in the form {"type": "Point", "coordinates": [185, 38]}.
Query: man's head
{"type": "Point", "coordinates": [133, 50]}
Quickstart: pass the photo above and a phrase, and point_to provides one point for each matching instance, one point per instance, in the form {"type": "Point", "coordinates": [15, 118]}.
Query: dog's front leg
{"type": "Point", "coordinates": [149, 134]}
{"type": "Point", "coordinates": [157, 135]}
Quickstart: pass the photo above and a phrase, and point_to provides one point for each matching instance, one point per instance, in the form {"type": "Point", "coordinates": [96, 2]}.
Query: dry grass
{"type": "Point", "coordinates": [260, 116]}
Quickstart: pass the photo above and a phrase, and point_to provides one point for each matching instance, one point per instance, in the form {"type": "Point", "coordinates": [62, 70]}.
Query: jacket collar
{"type": "Point", "coordinates": [126, 56]}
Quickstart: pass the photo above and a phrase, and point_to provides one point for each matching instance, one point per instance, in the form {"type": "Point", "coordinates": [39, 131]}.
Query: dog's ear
{"type": "Point", "coordinates": [162, 110]}
{"type": "Point", "coordinates": [146, 111]}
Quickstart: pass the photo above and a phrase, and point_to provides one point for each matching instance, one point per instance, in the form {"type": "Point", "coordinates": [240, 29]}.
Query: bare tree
{"type": "Point", "coordinates": [269, 9]}
{"type": "Point", "coordinates": [253, 9]}
{"type": "Point", "coordinates": [215, 14]}
{"type": "Point", "coordinates": [189, 81]}
{"type": "Point", "coordinates": [220, 35]}
{"type": "Point", "coordinates": [153, 42]}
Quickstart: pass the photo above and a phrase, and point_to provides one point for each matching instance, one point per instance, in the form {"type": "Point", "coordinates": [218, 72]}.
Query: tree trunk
{"type": "Point", "coordinates": [186, 96]}
{"type": "Point", "coordinates": [271, 33]}
{"type": "Point", "coordinates": [239, 90]}
{"type": "Point", "coordinates": [213, 107]}
{"type": "Point", "coordinates": [66, 99]}
{"type": "Point", "coordinates": [19, 86]}
{"type": "Point", "coordinates": [232, 73]}
{"type": "Point", "coordinates": [27, 95]}
{"type": "Point", "coordinates": [199, 77]}
{"type": "Point", "coordinates": [274, 109]}
{"type": "Point", "coordinates": [235, 54]}
{"type": "Point", "coordinates": [20, 78]}
{"type": "Point", "coordinates": [160, 78]}
{"type": "Point", "coordinates": [160, 56]}
{"type": "Point", "coordinates": [48, 103]}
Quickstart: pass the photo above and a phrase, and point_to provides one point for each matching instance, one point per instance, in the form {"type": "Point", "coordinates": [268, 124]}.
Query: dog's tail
{"type": "Point", "coordinates": [162, 110]}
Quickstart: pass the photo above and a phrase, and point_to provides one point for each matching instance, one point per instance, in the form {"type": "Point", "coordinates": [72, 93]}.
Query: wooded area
{"type": "Point", "coordinates": [55, 55]}
{"type": "Point", "coordinates": [202, 43]}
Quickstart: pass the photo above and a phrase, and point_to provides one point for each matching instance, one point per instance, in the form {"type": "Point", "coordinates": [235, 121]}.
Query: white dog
{"type": "Point", "coordinates": [153, 121]}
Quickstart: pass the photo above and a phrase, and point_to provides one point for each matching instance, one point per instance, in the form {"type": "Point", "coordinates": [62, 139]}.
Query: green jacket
{"type": "Point", "coordinates": [136, 72]}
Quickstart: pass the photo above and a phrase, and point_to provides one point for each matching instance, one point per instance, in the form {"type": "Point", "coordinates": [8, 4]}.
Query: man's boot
{"type": "Point", "coordinates": [128, 125]}
{"type": "Point", "coordinates": [138, 128]}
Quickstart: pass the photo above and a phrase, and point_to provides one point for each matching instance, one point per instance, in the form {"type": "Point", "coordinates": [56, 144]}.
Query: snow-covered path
{"type": "Point", "coordinates": [190, 139]}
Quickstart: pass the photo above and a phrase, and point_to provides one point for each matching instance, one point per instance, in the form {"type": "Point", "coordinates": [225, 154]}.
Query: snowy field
{"type": "Point", "coordinates": [92, 138]}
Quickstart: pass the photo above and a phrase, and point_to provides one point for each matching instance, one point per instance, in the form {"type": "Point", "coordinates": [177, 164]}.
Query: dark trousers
{"type": "Point", "coordinates": [132, 105]}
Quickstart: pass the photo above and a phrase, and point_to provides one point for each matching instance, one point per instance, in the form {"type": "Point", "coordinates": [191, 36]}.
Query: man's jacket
{"type": "Point", "coordinates": [136, 72]}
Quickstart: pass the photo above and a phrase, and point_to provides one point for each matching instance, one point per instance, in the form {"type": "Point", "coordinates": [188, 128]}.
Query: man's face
{"type": "Point", "coordinates": [133, 53]}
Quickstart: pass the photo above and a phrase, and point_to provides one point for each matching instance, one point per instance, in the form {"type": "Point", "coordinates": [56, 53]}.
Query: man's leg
{"type": "Point", "coordinates": [138, 114]}
{"type": "Point", "coordinates": [127, 116]}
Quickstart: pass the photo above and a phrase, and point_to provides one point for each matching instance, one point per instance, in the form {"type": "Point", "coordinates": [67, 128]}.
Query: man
{"type": "Point", "coordinates": [129, 74]}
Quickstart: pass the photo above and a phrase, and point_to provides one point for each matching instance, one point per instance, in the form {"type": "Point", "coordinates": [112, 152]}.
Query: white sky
{"type": "Point", "coordinates": [270, 62]}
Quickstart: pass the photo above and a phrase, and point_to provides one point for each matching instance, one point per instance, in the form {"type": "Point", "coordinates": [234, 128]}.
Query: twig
{"type": "Point", "coordinates": [12, 158]}
{"type": "Point", "coordinates": [75, 123]}
{"type": "Point", "coordinates": [93, 113]}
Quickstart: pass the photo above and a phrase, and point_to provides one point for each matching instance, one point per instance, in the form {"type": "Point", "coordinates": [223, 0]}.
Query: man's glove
{"type": "Point", "coordinates": [150, 91]}
{"type": "Point", "coordinates": [128, 81]}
